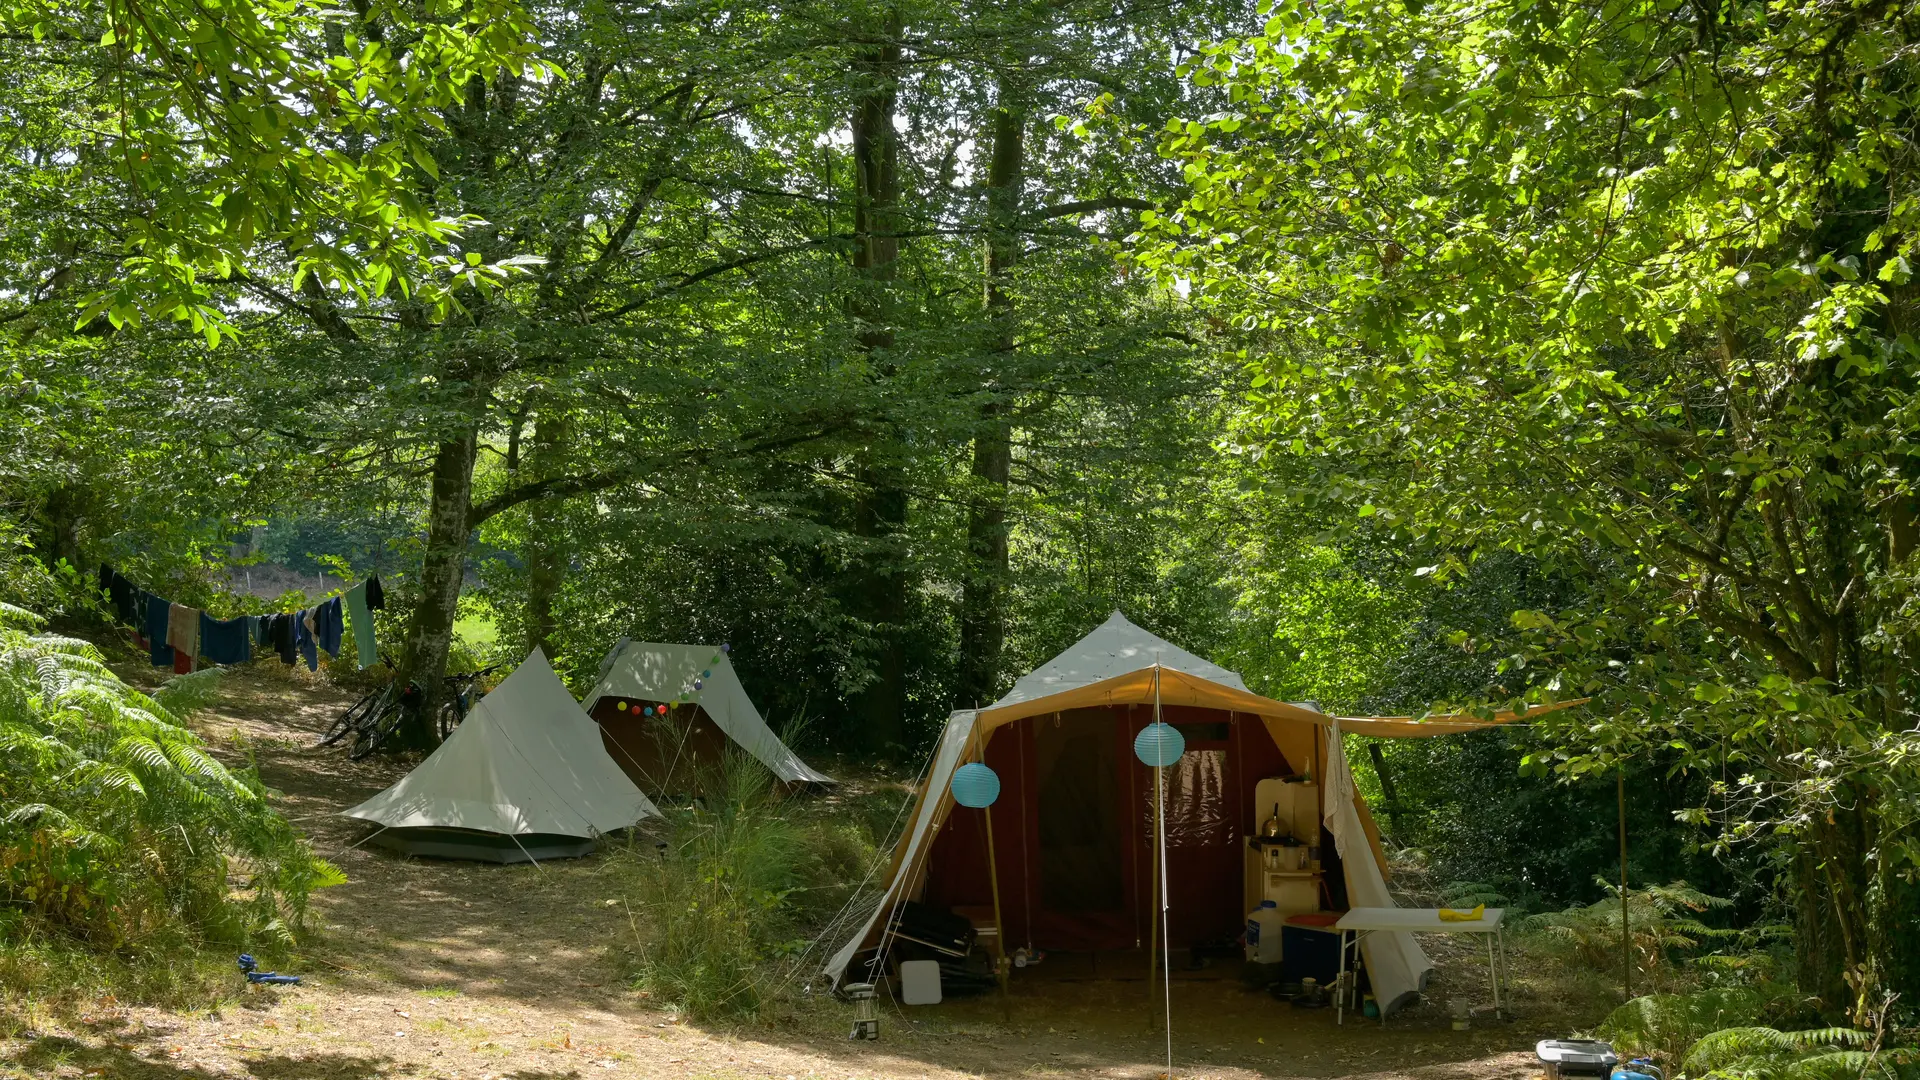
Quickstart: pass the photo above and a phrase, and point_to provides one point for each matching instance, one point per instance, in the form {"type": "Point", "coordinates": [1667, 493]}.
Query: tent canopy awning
{"type": "Point", "coordinates": [1121, 664]}
{"type": "Point", "coordinates": [1426, 727]}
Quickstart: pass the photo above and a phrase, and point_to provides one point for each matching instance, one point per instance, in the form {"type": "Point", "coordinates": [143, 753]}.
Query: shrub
{"type": "Point", "coordinates": [724, 914]}
{"type": "Point", "coordinates": [121, 832]}
{"type": "Point", "coordinates": [1663, 923]}
{"type": "Point", "coordinates": [1664, 1026]}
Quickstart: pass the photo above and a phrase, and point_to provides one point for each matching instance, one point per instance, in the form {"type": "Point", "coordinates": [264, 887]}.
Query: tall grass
{"type": "Point", "coordinates": [122, 841]}
{"type": "Point", "coordinates": [723, 914]}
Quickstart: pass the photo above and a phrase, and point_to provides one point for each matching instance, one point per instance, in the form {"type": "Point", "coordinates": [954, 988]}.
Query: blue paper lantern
{"type": "Point", "coordinates": [975, 785]}
{"type": "Point", "coordinates": [697, 684]}
{"type": "Point", "coordinates": [1159, 744]}
{"type": "Point", "coordinates": [726, 648]}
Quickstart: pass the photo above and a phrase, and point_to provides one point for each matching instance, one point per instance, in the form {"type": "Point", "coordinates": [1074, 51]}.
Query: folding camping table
{"type": "Point", "coordinates": [1362, 921]}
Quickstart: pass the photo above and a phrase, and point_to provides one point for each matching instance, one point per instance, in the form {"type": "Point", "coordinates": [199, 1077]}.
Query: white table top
{"type": "Point", "coordinates": [1417, 920]}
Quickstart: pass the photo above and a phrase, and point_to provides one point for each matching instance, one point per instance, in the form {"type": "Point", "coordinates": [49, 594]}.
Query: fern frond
{"type": "Point", "coordinates": [65, 646]}
{"type": "Point", "coordinates": [193, 761]}
{"type": "Point", "coordinates": [19, 618]}
{"type": "Point", "coordinates": [184, 695]}
{"type": "Point", "coordinates": [146, 752]}
{"type": "Point", "coordinates": [1817, 1038]}
{"type": "Point", "coordinates": [32, 813]}
{"type": "Point", "coordinates": [1730, 1047]}
{"type": "Point", "coordinates": [107, 776]}
{"type": "Point", "coordinates": [1840, 1065]}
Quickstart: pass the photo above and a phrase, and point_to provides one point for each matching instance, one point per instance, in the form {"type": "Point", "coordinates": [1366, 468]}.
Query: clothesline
{"type": "Point", "coordinates": [178, 635]}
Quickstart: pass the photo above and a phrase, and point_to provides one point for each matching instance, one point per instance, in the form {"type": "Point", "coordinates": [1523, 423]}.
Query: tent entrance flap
{"type": "Point", "coordinates": [1081, 843]}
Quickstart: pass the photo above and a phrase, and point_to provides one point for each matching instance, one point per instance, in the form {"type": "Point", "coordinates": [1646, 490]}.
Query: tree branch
{"type": "Point", "coordinates": [560, 487]}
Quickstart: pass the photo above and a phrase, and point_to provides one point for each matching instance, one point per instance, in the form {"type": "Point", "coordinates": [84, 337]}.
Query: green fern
{"type": "Point", "coordinates": [1662, 920]}
{"type": "Point", "coordinates": [184, 695]}
{"type": "Point", "coordinates": [18, 618]}
{"type": "Point", "coordinates": [1764, 1053]}
{"type": "Point", "coordinates": [121, 829]}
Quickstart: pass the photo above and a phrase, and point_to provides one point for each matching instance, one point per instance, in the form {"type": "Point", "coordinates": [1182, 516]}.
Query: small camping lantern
{"type": "Point", "coordinates": [975, 785]}
{"type": "Point", "coordinates": [1159, 744]}
{"type": "Point", "coordinates": [866, 1024]}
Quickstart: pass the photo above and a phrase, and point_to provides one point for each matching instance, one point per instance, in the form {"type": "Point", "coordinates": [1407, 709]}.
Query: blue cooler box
{"type": "Point", "coordinates": [1309, 952]}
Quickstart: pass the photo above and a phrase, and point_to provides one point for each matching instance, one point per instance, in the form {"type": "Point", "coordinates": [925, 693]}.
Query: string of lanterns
{"type": "Point", "coordinates": [686, 694]}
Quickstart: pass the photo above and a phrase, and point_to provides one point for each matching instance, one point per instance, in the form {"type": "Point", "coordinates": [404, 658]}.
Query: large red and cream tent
{"type": "Point", "coordinates": [1074, 851]}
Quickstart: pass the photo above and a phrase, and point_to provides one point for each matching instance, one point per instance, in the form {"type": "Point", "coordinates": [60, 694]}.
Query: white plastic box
{"type": "Point", "coordinates": [920, 982]}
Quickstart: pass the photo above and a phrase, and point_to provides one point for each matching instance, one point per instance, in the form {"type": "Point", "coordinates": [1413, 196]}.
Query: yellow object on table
{"type": "Point", "coordinates": [1449, 915]}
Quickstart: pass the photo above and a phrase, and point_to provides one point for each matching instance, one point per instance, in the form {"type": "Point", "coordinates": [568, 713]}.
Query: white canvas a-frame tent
{"type": "Point", "coordinates": [707, 711]}
{"type": "Point", "coordinates": [524, 777]}
{"type": "Point", "coordinates": [1072, 859]}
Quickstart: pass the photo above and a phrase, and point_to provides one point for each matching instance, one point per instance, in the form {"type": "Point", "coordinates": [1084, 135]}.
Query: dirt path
{"type": "Point", "coordinates": [459, 971]}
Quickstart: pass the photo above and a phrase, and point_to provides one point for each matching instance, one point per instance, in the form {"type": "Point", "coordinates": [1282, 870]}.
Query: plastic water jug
{"type": "Point", "coordinates": [1263, 933]}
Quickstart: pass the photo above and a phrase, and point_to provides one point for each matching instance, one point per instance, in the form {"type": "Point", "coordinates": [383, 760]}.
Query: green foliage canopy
{"type": "Point", "coordinates": [1625, 287]}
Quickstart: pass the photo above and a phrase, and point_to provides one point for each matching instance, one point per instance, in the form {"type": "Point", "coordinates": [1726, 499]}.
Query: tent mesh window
{"type": "Point", "coordinates": [1199, 813]}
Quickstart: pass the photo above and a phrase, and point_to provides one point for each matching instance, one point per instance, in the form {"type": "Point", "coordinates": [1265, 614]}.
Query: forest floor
{"type": "Point", "coordinates": [460, 971]}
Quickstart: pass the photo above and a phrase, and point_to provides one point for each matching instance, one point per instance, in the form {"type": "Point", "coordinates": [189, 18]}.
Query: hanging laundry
{"type": "Point", "coordinates": [226, 641]}
{"type": "Point", "coordinates": [155, 628]}
{"type": "Point", "coordinates": [280, 636]}
{"type": "Point", "coordinates": [303, 639]}
{"type": "Point", "coordinates": [376, 595]}
{"type": "Point", "coordinates": [129, 608]}
{"type": "Point", "coordinates": [360, 618]}
{"type": "Point", "coordinates": [183, 631]}
{"type": "Point", "coordinates": [120, 595]}
{"type": "Point", "coordinates": [329, 626]}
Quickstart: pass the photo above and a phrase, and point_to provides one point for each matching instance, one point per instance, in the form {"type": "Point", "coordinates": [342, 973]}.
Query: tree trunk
{"type": "Point", "coordinates": [881, 512]}
{"type": "Point", "coordinates": [546, 554]}
{"type": "Point", "coordinates": [1838, 959]}
{"type": "Point", "coordinates": [430, 631]}
{"type": "Point", "coordinates": [1387, 793]}
{"type": "Point", "coordinates": [63, 514]}
{"type": "Point", "coordinates": [982, 605]}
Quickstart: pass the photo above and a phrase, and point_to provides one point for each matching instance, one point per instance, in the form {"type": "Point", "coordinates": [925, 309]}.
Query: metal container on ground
{"type": "Point", "coordinates": [1562, 1058]}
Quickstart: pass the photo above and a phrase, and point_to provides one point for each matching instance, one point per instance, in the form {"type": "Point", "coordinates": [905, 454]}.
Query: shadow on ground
{"type": "Point", "coordinates": [53, 1056]}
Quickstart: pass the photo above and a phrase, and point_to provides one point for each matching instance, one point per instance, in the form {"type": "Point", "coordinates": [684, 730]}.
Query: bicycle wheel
{"type": "Point", "coordinates": [378, 731]}
{"type": "Point", "coordinates": [351, 719]}
{"type": "Point", "coordinates": [452, 711]}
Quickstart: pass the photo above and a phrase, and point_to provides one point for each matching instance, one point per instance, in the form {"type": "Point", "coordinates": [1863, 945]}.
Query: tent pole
{"type": "Point", "coordinates": [999, 927]}
{"type": "Point", "coordinates": [1153, 917]}
{"type": "Point", "coordinates": [1160, 857]}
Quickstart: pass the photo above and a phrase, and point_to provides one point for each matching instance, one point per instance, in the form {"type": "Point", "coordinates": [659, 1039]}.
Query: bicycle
{"type": "Point", "coordinates": [370, 704]}
{"type": "Point", "coordinates": [375, 718]}
{"type": "Point", "coordinates": [395, 707]}
{"type": "Point", "coordinates": [459, 699]}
